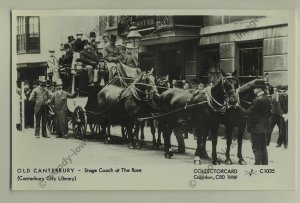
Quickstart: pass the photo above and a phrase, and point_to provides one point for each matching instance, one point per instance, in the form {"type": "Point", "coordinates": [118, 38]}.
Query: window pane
{"type": "Point", "coordinates": [34, 26]}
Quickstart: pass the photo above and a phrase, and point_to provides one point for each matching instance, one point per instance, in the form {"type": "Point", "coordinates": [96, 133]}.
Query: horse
{"type": "Point", "coordinates": [123, 106]}
{"type": "Point", "coordinates": [201, 110]}
{"type": "Point", "coordinates": [162, 84]}
{"type": "Point", "coordinates": [233, 117]}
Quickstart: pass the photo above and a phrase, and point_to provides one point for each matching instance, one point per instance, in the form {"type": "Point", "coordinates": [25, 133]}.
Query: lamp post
{"type": "Point", "coordinates": [134, 37]}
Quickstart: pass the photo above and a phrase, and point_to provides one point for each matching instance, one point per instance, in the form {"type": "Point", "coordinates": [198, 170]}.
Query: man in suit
{"type": "Point", "coordinates": [66, 59]}
{"type": "Point", "coordinates": [279, 115]}
{"type": "Point", "coordinates": [78, 43]}
{"type": "Point", "coordinates": [111, 55]}
{"type": "Point", "coordinates": [71, 41]}
{"type": "Point", "coordinates": [93, 41]}
{"type": "Point", "coordinates": [53, 66]}
{"type": "Point", "coordinates": [59, 99]}
{"type": "Point", "coordinates": [258, 122]}
{"type": "Point", "coordinates": [89, 60]}
{"type": "Point", "coordinates": [41, 97]}
{"type": "Point", "coordinates": [130, 59]}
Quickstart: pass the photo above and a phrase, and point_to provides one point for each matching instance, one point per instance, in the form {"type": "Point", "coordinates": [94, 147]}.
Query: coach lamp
{"type": "Point", "coordinates": [134, 37]}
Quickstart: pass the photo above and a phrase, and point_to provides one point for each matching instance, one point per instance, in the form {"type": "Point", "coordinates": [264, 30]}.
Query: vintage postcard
{"type": "Point", "coordinates": [153, 100]}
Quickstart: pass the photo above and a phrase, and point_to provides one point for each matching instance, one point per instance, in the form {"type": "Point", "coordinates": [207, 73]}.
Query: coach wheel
{"type": "Point", "coordinates": [79, 122]}
{"type": "Point", "coordinates": [51, 125]}
{"type": "Point", "coordinates": [95, 128]}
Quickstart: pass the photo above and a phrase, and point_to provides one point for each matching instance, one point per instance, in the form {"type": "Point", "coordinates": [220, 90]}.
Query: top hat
{"type": "Point", "coordinates": [259, 83]}
{"type": "Point", "coordinates": [70, 38]}
{"type": "Point", "coordinates": [92, 34]}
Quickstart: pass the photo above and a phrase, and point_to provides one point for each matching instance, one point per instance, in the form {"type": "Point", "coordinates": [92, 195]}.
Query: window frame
{"type": "Point", "coordinates": [23, 36]}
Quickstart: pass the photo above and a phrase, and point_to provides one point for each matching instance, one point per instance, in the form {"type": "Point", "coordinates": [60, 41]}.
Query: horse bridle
{"type": "Point", "coordinates": [149, 95]}
{"type": "Point", "coordinates": [211, 99]}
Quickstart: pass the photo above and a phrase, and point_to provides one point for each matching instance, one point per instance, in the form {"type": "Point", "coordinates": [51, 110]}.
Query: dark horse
{"type": "Point", "coordinates": [162, 86]}
{"type": "Point", "coordinates": [233, 117]}
{"type": "Point", "coordinates": [123, 106]}
{"type": "Point", "coordinates": [201, 110]}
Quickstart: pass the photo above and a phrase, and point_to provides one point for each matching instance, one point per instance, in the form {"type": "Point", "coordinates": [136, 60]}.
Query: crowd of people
{"type": "Point", "coordinates": [90, 55]}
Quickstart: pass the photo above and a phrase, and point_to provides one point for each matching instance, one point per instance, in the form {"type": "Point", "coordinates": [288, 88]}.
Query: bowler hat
{"type": "Point", "coordinates": [259, 83]}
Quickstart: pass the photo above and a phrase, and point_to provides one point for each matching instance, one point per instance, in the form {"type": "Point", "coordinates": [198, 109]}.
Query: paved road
{"type": "Point", "coordinates": [52, 150]}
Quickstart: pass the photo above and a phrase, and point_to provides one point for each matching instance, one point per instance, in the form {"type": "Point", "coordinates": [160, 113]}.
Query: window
{"type": "Point", "coordinates": [28, 34]}
{"type": "Point", "coordinates": [250, 61]}
{"type": "Point", "coordinates": [112, 21]}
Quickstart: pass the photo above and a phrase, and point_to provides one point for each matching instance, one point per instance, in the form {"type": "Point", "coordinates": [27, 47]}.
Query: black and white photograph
{"type": "Point", "coordinates": [149, 100]}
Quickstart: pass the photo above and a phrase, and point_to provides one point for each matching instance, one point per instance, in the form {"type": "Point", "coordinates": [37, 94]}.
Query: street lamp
{"type": "Point", "coordinates": [134, 36]}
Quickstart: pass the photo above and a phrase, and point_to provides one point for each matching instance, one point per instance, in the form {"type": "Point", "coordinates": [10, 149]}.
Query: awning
{"type": "Point", "coordinates": [22, 66]}
{"type": "Point", "coordinates": [170, 36]}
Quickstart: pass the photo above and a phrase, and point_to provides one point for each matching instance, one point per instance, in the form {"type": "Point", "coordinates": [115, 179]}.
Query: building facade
{"type": "Point", "coordinates": [37, 34]}
{"type": "Point", "coordinates": [188, 47]}
{"type": "Point", "coordinates": [252, 45]}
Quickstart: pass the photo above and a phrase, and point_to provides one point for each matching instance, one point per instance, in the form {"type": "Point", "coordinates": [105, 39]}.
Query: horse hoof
{"type": "Point", "coordinates": [216, 162]}
{"type": "Point", "coordinates": [242, 162]}
{"type": "Point", "coordinates": [131, 146]}
{"type": "Point", "coordinates": [107, 140]}
{"type": "Point", "coordinates": [138, 146]}
{"type": "Point", "coordinates": [197, 161]}
{"type": "Point", "coordinates": [168, 155]}
{"type": "Point", "coordinates": [228, 161]}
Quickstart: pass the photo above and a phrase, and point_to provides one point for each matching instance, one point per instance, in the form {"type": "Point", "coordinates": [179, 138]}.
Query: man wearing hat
{"type": "Point", "coordinates": [53, 66]}
{"type": "Point", "coordinates": [78, 43]}
{"type": "Point", "coordinates": [131, 59]}
{"type": "Point", "coordinates": [279, 115]}
{"type": "Point", "coordinates": [258, 116]}
{"type": "Point", "coordinates": [93, 41]}
{"type": "Point", "coordinates": [66, 59]}
{"type": "Point", "coordinates": [41, 97]}
{"type": "Point", "coordinates": [111, 55]}
{"type": "Point", "coordinates": [71, 41]}
{"type": "Point", "coordinates": [59, 99]}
